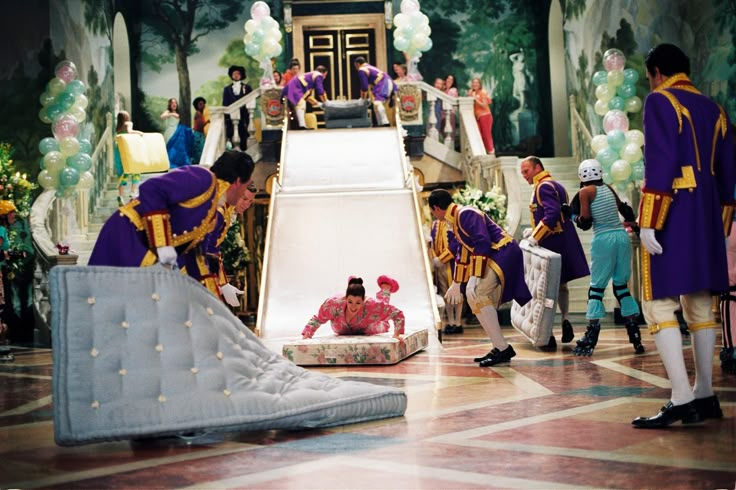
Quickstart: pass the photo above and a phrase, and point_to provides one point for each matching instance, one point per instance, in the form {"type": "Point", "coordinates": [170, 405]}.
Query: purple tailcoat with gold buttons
{"type": "Point", "coordinates": [383, 86]}
{"type": "Point", "coordinates": [302, 86]}
{"type": "Point", "coordinates": [688, 193]}
{"type": "Point", "coordinates": [485, 244]}
{"type": "Point", "coordinates": [553, 230]}
{"type": "Point", "coordinates": [178, 207]}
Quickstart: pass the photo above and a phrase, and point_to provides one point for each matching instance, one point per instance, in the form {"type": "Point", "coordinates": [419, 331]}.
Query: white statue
{"type": "Point", "coordinates": [521, 78]}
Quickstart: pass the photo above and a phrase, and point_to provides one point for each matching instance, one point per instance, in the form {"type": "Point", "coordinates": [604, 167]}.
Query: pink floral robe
{"type": "Point", "coordinates": [372, 320]}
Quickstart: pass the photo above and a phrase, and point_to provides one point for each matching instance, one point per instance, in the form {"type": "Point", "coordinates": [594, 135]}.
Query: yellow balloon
{"type": "Point", "coordinates": [69, 146]}
{"type": "Point", "coordinates": [620, 170]}
{"type": "Point", "coordinates": [633, 104]}
{"type": "Point", "coordinates": [599, 142]}
{"type": "Point", "coordinates": [635, 136]}
{"type": "Point", "coordinates": [615, 78]}
{"type": "Point", "coordinates": [601, 107]}
{"type": "Point", "coordinates": [631, 153]}
{"type": "Point", "coordinates": [604, 93]}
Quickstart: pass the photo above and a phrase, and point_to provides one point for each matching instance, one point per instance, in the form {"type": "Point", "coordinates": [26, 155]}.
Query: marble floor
{"type": "Point", "coordinates": [546, 420]}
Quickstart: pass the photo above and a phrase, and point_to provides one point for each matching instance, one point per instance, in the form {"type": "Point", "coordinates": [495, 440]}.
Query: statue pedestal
{"type": "Point", "coordinates": [523, 125]}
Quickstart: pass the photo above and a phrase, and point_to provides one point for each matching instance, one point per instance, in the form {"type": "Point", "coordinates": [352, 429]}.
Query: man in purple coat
{"type": "Point", "coordinates": [231, 94]}
{"type": "Point", "coordinates": [555, 231]}
{"type": "Point", "coordinates": [378, 85]}
{"type": "Point", "coordinates": [172, 216]}
{"type": "Point", "coordinates": [686, 210]}
{"type": "Point", "coordinates": [493, 265]}
{"type": "Point", "coordinates": [307, 87]}
{"type": "Point", "coordinates": [444, 248]}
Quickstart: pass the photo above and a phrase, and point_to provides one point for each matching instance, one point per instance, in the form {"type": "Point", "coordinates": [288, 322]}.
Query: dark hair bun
{"type": "Point", "coordinates": [355, 280]}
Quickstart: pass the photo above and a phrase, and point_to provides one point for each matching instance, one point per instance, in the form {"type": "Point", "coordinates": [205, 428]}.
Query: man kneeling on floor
{"type": "Point", "coordinates": [496, 269]}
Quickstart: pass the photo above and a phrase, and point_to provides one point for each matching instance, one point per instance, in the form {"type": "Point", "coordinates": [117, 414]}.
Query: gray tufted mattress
{"type": "Point", "coordinates": [149, 352]}
{"type": "Point", "coordinates": [542, 274]}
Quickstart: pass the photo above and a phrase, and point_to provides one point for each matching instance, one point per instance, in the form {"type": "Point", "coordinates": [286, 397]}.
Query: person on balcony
{"type": "Point", "coordinates": [376, 85]}
{"type": "Point", "coordinates": [179, 138]}
{"type": "Point", "coordinates": [293, 71]}
{"type": "Point", "coordinates": [353, 314]}
{"type": "Point", "coordinates": [308, 87]}
{"type": "Point", "coordinates": [610, 254]}
{"type": "Point", "coordinates": [173, 215]}
{"type": "Point", "coordinates": [482, 110]}
{"type": "Point", "coordinates": [554, 231]}
{"type": "Point", "coordinates": [687, 205]}
{"type": "Point", "coordinates": [231, 94]}
{"type": "Point", "coordinates": [493, 265]}
{"type": "Point", "coordinates": [448, 111]}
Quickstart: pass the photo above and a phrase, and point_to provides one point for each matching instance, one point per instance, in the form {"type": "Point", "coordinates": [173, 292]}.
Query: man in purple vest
{"type": "Point", "coordinates": [307, 87]}
{"type": "Point", "coordinates": [686, 210]}
{"type": "Point", "coordinates": [173, 215]}
{"type": "Point", "coordinates": [555, 231]}
{"type": "Point", "coordinates": [231, 94]}
{"type": "Point", "coordinates": [376, 84]}
{"type": "Point", "coordinates": [491, 262]}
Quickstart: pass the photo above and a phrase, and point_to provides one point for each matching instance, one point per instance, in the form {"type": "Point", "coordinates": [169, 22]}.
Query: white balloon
{"type": "Point", "coordinates": [635, 136]}
{"type": "Point", "coordinates": [598, 142]}
{"type": "Point", "coordinates": [250, 26]}
{"type": "Point", "coordinates": [260, 10]}
{"type": "Point", "coordinates": [409, 6]}
{"type": "Point", "coordinates": [400, 20]}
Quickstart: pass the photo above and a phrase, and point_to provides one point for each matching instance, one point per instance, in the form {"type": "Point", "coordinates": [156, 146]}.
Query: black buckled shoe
{"type": "Point", "coordinates": [708, 407]}
{"type": "Point", "coordinates": [490, 354]}
{"type": "Point", "coordinates": [459, 329]}
{"type": "Point", "coordinates": [450, 329]}
{"type": "Point", "coordinates": [499, 357]}
{"type": "Point", "coordinates": [567, 333]}
{"type": "Point", "coordinates": [668, 415]}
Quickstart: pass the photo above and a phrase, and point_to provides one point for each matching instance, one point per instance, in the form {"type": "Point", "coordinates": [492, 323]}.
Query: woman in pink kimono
{"type": "Point", "coordinates": [353, 314]}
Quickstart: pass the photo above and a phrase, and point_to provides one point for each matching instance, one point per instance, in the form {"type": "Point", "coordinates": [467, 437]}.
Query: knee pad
{"type": "Point", "coordinates": [595, 293]}
{"type": "Point", "coordinates": [621, 291]}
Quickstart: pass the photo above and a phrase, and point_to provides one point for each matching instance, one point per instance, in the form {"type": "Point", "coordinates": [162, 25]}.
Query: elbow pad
{"type": "Point", "coordinates": [626, 211]}
{"type": "Point", "coordinates": [584, 223]}
{"type": "Point", "coordinates": [575, 204]}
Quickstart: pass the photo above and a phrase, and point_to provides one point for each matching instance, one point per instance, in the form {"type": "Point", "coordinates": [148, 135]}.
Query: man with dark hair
{"type": "Point", "coordinates": [173, 215]}
{"type": "Point", "coordinates": [377, 85]}
{"type": "Point", "coordinates": [308, 87]}
{"type": "Point", "coordinates": [491, 262]}
{"type": "Point", "coordinates": [687, 200]}
{"type": "Point", "coordinates": [553, 230]}
{"type": "Point", "coordinates": [231, 94]}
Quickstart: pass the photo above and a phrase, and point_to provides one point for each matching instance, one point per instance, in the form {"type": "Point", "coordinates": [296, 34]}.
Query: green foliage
{"type": "Point", "coordinates": [571, 9]}
{"type": "Point", "coordinates": [14, 186]}
{"type": "Point", "coordinates": [235, 254]}
{"type": "Point", "coordinates": [438, 63]}
{"type": "Point", "coordinates": [99, 16]}
{"type": "Point", "coordinates": [492, 203]}
{"type": "Point", "coordinates": [235, 55]}
{"type": "Point", "coordinates": [154, 106]}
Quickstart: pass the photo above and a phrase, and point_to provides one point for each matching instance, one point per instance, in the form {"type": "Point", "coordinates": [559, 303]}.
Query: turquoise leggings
{"type": "Point", "coordinates": [610, 258]}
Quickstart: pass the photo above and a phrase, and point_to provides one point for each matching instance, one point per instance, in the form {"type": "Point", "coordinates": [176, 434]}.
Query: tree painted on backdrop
{"type": "Point", "coordinates": [439, 61]}
{"type": "Point", "coordinates": [233, 55]}
{"type": "Point", "coordinates": [173, 28]}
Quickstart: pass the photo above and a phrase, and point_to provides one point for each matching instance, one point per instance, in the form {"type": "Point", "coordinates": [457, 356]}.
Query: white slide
{"type": "Point", "coordinates": [344, 204]}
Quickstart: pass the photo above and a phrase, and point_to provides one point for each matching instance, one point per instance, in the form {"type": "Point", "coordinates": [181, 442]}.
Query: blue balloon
{"type": "Point", "coordinates": [616, 139]}
{"type": "Point", "coordinates": [54, 112]}
{"type": "Point", "coordinates": [631, 76]}
{"type": "Point", "coordinates": [607, 156]}
{"type": "Point", "coordinates": [48, 144]}
{"type": "Point", "coordinates": [65, 100]}
{"type": "Point", "coordinates": [81, 162]}
{"type": "Point", "coordinates": [76, 87]}
{"type": "Point", "coordinates": [626, 90]}
{"type": "Point", "coordinates": [600, 77]}
{"type": "Point", "coordinates": [617, 104]}
{"type": "Point", "coordinates": [85, 146]}
{"type": "Point", "coordinates": [69, 177]}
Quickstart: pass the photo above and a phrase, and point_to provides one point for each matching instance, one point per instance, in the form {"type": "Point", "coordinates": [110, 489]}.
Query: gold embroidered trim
{"type": "Point", "coordinates": [646, 275]}
{"type": "Point", "coordinates": [129, 212]}
{"type": "Point", "coordinates": [727, 213]}
{"type": "Point", "coordinates": [149, 259]}
{"type": "Point", "coordinates": [503, 242]}
{"type": "Point", "coordinates": [653, 329]}
{"type": "Point", "coordinates": [478, 266]}
{"type": "Point", "coordinates": [653, 209]}
{"type": "Point", "coordinates": [675, 105]}
{"type": "Point", "coordinates": [158, 229]}
{"type": "Point", "coordinates": [202, 198]}
{"type": "Point", "coordinates": [687, 181]}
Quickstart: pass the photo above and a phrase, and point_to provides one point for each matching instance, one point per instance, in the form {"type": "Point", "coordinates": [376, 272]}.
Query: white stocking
{"type": "Point", "coordinates": [381, 113]}
{"type": "Point", "coordinates": [669, 345]}
{"type": "Point", "coordinates": [488, 318]}
{"type": "Point", "coordinates": [704, 341]}
{"type": "Point", "coordinates": [300, 117]}
{"type": "Point", "coordinates": [563, 300]}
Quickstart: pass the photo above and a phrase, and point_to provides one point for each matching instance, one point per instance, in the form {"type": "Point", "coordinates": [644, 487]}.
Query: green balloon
{"type": "Point", "coordinates": [48, 144]}
{"type": "Point", "coordinates": [69, 177]}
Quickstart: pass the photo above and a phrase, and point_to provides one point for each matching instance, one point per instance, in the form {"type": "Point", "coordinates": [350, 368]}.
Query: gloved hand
{"type": "Point", "coordinates": [531, 242]}
{"type": "Point", "coordinates": [470, 288]}
{"type": "Point", "coordinates": [436, 262]}
{"type": "Point", "coordinates": [646, 235]}
{"type": "Point", "coordinates": [453, 295]}
{"type": "Point", "coordinates": [167, 255]}
{"type": "Point", "coordinates": [230, 294]}
{"type": "Point", "coordinates": [527, 233]}
{"type": "Point", "coordinates": [320, 105]}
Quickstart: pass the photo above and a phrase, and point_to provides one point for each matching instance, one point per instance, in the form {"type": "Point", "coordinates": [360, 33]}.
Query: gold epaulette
{"type": "Point", "coordinates": [653, 208]}
{"type": "Point", "coordinates": [727, 212]}
{"type": "Point", "coordinates": [158, 229]}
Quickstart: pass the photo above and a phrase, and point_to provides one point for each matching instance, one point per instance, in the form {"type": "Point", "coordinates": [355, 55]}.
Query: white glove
{"type": "Point", "coordinates": [453, 295]}
{"type": "Point", "coordinates": [166, 255]}
{"type": "Point", "coordinates": [530, 242]}
{"type": "Point", "coordinates": [646, 235]}
{"type": "Point", "coordinates": [526, 233]}
{"type": "Point", "coordinates": [230, 294]}
{"type": "Point", "coordinates": [436, 262]}
{"type": "Point", "coordinates": [320, 105]}
{"type": "Point", "coordinates": [470, 288]}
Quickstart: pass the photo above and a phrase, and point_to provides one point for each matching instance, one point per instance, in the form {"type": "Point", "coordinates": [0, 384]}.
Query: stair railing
{"type": "Point", "coordinates": [215, 142]}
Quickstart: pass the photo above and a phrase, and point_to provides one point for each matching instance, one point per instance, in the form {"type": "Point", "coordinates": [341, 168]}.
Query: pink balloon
{"type": "Point", "coordinates": [614, 60]}
{"type": "Point", "coordinates": [260, 10]}
{"type": "Point", "coordinates": [66, 70]}
{"type": "Point", "coordinates": [615, 120]}
{"type": "Point", "coordinates": [65, 127]}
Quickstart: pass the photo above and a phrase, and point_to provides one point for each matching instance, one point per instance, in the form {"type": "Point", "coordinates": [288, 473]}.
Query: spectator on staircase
{"type": "Point", "coordinates": [125, 126]}
{"type": "Point", "coordinates": [482, 110]}
{"type": "Point", "coordinates": [179, 138]}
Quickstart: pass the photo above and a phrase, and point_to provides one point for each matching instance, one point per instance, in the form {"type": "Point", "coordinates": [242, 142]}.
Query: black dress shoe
{"type": "Point", "coordinates": [551, 345]}
{"type": "Point", "coordinates": [499, 357]}
{"type": "Point", "coordinates": [490, 354]}
{"type": "Point", "coordinates": [708, 407]}
{"type": "Point", "coordinates": [669, 414]}
{"type": "Point", "coordinates": [450, 329]}
{"type": "Point", "coordinates": [567, 332]}
{"type": "Point", "coordinates": [458, 329]}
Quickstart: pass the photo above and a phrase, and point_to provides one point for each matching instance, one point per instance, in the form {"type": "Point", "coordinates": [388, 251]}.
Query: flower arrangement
{"type": "Point", "coordinates": [492, 202]}
{"type": "Point", "coordinates": [235, 254]}
{"type": "Point", "coordinates": [14, 186]}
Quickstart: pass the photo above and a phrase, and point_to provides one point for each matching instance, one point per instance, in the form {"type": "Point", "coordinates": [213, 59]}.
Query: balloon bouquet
{"type": "Point", "coordinates": [262, 39]}
{"type": "Point", "coordinates": [66, 158]}
{"type": "Point", "coordinates": [412, 35]}
{"type": "Point", "coordinates": [619, 149]}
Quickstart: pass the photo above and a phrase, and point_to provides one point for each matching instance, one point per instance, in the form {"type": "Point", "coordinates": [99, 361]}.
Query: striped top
{"type": "Point", "coordinates": [604, 211]}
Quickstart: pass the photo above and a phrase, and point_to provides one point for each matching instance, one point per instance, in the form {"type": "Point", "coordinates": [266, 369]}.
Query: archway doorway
{"type": "Point", "coordinates": [121, 64]}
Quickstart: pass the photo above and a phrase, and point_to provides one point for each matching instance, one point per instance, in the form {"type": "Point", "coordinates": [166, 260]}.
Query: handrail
{"type": "Point", "coordinates": [214, 144]}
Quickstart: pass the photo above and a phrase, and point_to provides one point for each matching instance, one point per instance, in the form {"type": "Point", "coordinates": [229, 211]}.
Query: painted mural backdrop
{"type": "Point", "coordinates": [504, 42]}
{"type": "Point", "coordinates": [705, 30]}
